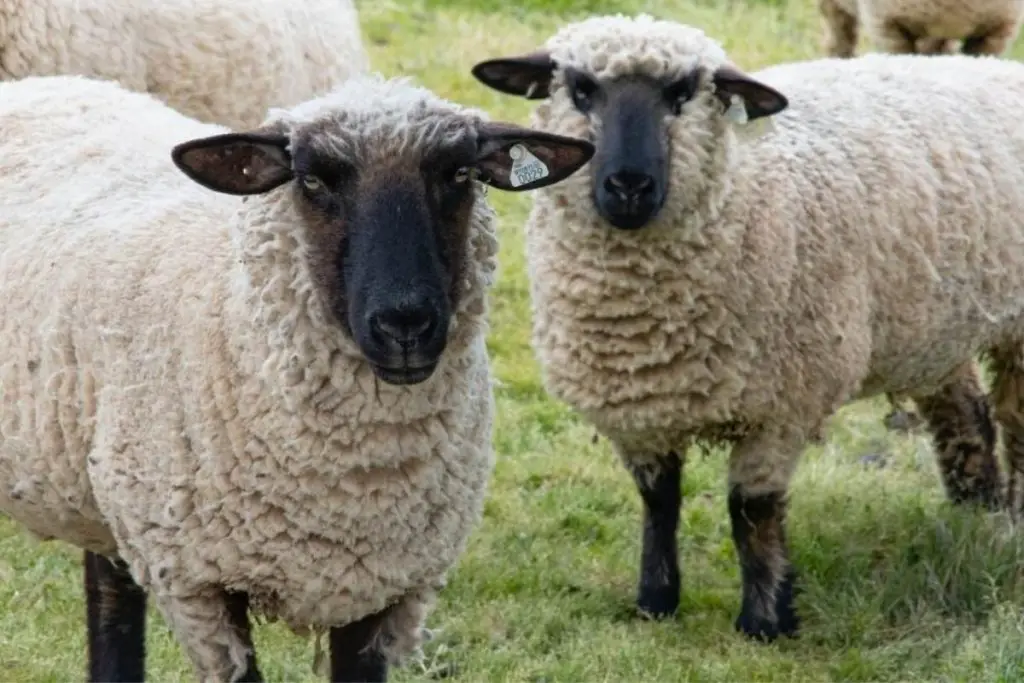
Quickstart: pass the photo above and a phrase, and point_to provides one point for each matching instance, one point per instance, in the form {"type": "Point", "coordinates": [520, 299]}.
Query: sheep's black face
{"type": "Point", "coordinates": [631, 166]}
{"type": "Point", "coordinates": [405, 242]}
{"type": "Point", "coordinates": [388, 222]}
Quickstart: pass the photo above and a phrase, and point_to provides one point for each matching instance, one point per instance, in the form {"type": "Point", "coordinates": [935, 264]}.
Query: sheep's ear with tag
{"type": "Point", "coordinates": [514, 158]}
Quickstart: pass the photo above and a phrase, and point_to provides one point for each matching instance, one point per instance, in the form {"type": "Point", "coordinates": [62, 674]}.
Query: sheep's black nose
{"type": "Point", "coordinates": [407, 324]}
{"type": "Point", "coordinates": [629, 185]}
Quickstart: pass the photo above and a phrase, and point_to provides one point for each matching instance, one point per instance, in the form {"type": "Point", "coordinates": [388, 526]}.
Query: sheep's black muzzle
{"type": "Point", "coordinates": [628, 199]}
{"type": "Point", "coordinates": [398, 309]}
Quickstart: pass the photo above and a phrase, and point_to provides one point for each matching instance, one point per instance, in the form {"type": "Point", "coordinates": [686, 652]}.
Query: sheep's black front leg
{"type": "Point", "coordinates": [658, 482]}
{"type": "Point", "coordinates": [238, 610]}
{"type": "Point", "coordinates": [116, 621]}
{"type": "Point", "coordinates": [760, 468]}
{"type": "Point", "coordinates": [758, 530]}
{"type": "Point", "coordinates": [356, 653]}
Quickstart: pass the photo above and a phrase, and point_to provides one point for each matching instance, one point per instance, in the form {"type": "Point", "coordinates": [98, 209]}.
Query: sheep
{"type": "Point", "coordinates": [247, 371]}
{"type": "Point", "coordinates": [930, 27]}
{"type": "Point", "coordinates": [747, 253]}
{"type": "Point", "coordinates": [220, 61]}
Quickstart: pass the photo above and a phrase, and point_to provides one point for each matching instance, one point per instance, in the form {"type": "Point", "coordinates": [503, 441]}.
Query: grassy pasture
{"type": "Point", "coordinates": [897, 586]}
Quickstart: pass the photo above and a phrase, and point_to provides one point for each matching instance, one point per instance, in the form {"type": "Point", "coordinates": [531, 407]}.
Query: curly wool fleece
{"type": "Point", "coordinates": [177, 392]}
{"type": "Point", "coordinates": [851, 251]}
{"type": "Point", "coordinates": [220, 61]}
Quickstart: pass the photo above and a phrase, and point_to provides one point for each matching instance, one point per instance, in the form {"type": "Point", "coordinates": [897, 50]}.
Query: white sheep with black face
{"type": "Point", "coordinates": [279, 402]}
{"type": "Point", "coordinates": [699, 282]}
{"type": "Point", "coordinates": [975, 27]}
{"type": "Point", "coordinates": [219, 61]}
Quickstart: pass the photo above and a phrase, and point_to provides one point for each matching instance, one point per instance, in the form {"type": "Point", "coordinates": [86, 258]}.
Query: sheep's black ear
{"type": "Point", "coordinates": [528, 75]}
{"type": "Point", "coordinates": [236, 163]}
{"type": "Point", "coordinates": [513, 158]}
{"type": "Point", "coordinates": [758, 98]}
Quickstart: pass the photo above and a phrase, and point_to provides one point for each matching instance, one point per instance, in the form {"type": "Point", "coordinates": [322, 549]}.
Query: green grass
{"type": "Point", "coordinates": [897, 585]}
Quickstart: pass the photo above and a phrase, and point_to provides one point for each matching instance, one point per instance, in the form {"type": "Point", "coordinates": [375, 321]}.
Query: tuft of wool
{"type": "Point", "coordinates": [178, 391]}
{"type": "Point", "coordinates": [220, 61]}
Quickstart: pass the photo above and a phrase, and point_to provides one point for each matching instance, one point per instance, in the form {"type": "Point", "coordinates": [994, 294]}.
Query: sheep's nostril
{"type": "Point", "coordinates": [404, 324]}
{"type": "Point", "coordinates": [629, 185]}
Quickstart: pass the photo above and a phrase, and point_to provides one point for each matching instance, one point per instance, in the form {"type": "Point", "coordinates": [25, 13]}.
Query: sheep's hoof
{"type": "Point", "coordinates": [658, 602]}
{"type": "Point", "coordinates": [757, 628]}
{"type": "Point", "coordinates": [787, 621]}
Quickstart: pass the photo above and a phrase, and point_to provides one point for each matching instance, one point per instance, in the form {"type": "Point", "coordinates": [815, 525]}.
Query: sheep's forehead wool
{"type": "Point", "coordinates": [613, 46]}
{"type": "Point", "coordinates": [370, 117]}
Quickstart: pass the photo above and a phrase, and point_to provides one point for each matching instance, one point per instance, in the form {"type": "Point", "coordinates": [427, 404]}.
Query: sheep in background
{"type": "Point", "coordinates": [220, 61]}
{"type": "Point", "coordinates": [279, 402]}
{"type": "Point", "coordinates": [699, 283]}
{"type": "Point", "coordinates": [930, 27]}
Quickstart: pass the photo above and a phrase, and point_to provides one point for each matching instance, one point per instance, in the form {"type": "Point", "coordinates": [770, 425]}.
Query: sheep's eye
{"type": "Point", "coordinates": [582, 90]}
{"type": "Point", "coordinates": [682, 91]}
{"type": "Point", "coordinates": [461, 175]}
{"type": "Point", "coordinates": [312, 183]}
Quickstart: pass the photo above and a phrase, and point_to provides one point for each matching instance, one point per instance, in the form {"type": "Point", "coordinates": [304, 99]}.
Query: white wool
{"type": "Point", "coordinates": [220, 61]}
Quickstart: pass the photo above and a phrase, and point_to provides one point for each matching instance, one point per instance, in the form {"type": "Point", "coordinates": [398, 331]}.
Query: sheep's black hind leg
{"type": "Point", "coordinates": [759, 472]}
{"type": "Point", "coordinates": [238, 610]}
{"type": "Point", "coordinates": [355, 651]}
{"type": "Point", "coordinates": [658, 482]}
{"type": "Point", "coordinates": [964, 437]}
{"type": "Point", "coordinates": [116, 621]}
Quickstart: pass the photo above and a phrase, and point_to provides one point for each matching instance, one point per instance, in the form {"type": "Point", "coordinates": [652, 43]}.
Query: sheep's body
{"type": "Point", "coordinates": [667, 334]}
{"type": "Point", "coordinates": [871, 243]}
{"type": "Point", "coordinates": [222, 62]}
{"type": "Point", "coordinates": [662, 335]}
{"type": "Point", "coordinates": [922, 26]}
{"type": "Point", "coordinates": [174, 390]}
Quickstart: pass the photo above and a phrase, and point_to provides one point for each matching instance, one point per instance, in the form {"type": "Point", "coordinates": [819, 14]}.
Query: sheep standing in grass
{"type": "Point", "coordinates": [220, 61]}
{"type": "Point", "coordinates": [279, 402]}
{"type": "Point", "coordinates": [698, 283]}
{"type": "Point", "coordinates": [981, 27]}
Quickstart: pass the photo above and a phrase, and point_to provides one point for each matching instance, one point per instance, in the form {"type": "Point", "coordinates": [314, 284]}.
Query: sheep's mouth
{"type": "Point", "coordinates": [404, 375]}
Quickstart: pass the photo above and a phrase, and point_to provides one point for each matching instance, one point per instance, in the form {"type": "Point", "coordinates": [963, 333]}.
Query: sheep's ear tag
{"type": "Point", "coordinates": [737, 111]}
{"type": "Point", "coordinates": [747, 129]}
{"type": "Point", "coordinates": [526, 168]}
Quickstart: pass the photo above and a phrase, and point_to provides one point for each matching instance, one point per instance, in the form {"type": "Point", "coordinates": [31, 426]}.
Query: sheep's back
{"type": "Point", "coordinates": [229, 61]}
{"type": "Point", "coordinates": [222, 62]}
{"type": "Point", "coordinates": [91, 258]}
{"type": "Point", "coordinates": [913, 166]}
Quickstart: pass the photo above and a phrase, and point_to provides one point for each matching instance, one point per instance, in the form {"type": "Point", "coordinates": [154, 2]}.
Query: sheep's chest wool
{"type": "Point", "coordinates": [309, 473]}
